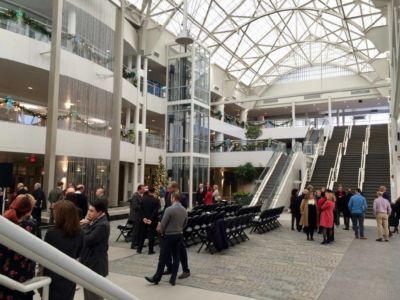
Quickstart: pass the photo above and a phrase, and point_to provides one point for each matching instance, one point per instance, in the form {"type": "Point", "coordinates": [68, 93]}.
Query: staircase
{"type": "Point", "coordinates": [351, 162]}
{"type": "Point", "coordinates": [327, 161]}
{"type": "Point", "coordinates": [266, 194]}
{"type": "Point", "coordinates": [377, 165]}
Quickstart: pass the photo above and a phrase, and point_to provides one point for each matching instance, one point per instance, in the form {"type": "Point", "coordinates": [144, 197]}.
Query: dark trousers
{"type": "Point", "coordinates": [358, 224]}
{"type": "Point", "coordinates": [170, 247]}
{"type": "Point", "coordinates": [136, 226]}
{"type": "Point", "coordinates": [309, 231]}
{"type": "Point", "coordinates": [183, 257]}
{"type": "Point", "coordinates": [148, 231]}
{"type": "Point", "coordinates": [37, 216]}
{"type": "Point", "coordinates": [327, 234]}
{"type": "Point", "coordinates": [298, 217]}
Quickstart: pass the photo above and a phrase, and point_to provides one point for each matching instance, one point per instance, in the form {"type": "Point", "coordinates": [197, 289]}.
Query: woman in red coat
{"type": "Point", "coordinates": [209, 196]}
{"type": "Point", "coordinates": [326, 218]}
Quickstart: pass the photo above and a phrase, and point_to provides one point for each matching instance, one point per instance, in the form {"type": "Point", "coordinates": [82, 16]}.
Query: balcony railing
{"type": "Point", "coordinates": [155, 140]}
{"type": "Point", "coordinates": [243, 145]}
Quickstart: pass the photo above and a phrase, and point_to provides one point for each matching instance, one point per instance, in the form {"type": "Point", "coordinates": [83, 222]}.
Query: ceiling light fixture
{"type": "Point", "coordinates": [150, 70]}
{"type": "Point", "coordinates": [184, 37]}
{"type": "Point", "coordinates": [30, 88]}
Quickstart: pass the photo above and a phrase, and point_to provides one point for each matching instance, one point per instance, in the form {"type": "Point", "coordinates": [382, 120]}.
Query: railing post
{"type": "Point", "coordinates": [45, 293]}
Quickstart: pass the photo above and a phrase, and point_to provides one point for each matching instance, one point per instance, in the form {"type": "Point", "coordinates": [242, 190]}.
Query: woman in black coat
{"type": "Point", "coordinates": [67, 237]}
{"type": "Point", "coordinates": [292, 205]}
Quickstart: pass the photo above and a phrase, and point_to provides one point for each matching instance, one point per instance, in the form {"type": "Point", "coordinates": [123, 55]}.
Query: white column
{"type": "Point", "coordinates": [243, 115]}
{"type": "Point", "coordinates": [127, 117]}
{"type": "Point", "coordinates": [71, 26]}
{"type": "Point", "coordinates": [117, 105]}
{"type": "Point", "coordinates": [343, 117]}
{"type": "Point", "coordinates": [53, 95]}
{"type": "Point", "coordinates": [137, 112]}
{"type": "Point", "coordinates": [330, 111]}
{"type": "Point", "coordinates": [293, 120]}
{"type": "Point", "coordinates": [144, 118]}
{"type": "Point", "coordinates": [337, 117]}
{"type": "Point", "coordinates": [126, 183]}
{"type": "Point", "coordinates": [130, 62]}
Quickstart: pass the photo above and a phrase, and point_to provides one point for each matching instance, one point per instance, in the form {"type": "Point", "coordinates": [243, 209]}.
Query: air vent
{"type": "Point", "coordinates": [156, 54]}
{"type": "Point", "coordinates": [216, 88]}
{"type": "Point", "coordinates": [312, 96]}
{"type": "Point", "coordinates": [269, 101]}
{"type": "Point", "coordinates": [358, 92]}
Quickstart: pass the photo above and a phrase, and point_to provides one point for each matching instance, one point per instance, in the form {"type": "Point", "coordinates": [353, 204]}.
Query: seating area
{"type": "Point", "coordinates": [267, 220]}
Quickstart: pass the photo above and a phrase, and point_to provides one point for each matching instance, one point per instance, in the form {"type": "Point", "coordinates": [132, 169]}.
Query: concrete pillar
{"type": "Point", "coordinates": [71, 25]}
{"type": "Point", "coordinates": [126, 182]}
{"type": "Point", "coordinates": [117, 105]}
{"type": "Point", "coordinates": [394, 151]}
{"type": "Point", "coordinates": [343, 117]}
{"type": "Point", "coordinates": [130, 61]}
{"type": "Point", "coordinates": [127, 117]}
{"type": "Point", "coordinates": [243, 115]}
{"type": "Point", "coordinates": [337, 117]}
{"type": "Point", "coordinates": [293, 120]}
{"type": "Point", "coordinates": [53, 94]}
{"type": "Point", "coordinates": [330, 110]}
{"type": "Point", "coordinates": [144, 118]}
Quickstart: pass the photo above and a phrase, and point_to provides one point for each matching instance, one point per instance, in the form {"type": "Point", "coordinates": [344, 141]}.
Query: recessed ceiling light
{"type": "Point", "coordinates": [153, 120]}
{"type": "Point", "coordinates": [30, 88]}
{"type": "Point", "coordinates": [108, 51]}
{"type": "Point", "coordinates": [150, 70]}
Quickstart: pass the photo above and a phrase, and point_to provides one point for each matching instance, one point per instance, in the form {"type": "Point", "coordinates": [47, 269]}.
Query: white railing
{"type": "Point", "coordinates": [28, 286]}
{"type": "Point", "coordinates": [314, 162]}
{"type": "Point", "coordinates": [268, 172]}
{"type": "Point", "coordinates": [346, 140]}
{"type": "Point", "coordinates": [304, 180]}
{"type": "Point", "coordinates": [361, 170]}
{"type": "Point", "coordinates": [334, 172]}
{"type": "Point", "coordinates": [28, 245]}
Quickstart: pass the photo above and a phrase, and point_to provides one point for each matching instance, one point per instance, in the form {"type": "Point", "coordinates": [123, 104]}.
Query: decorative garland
{"type": "Point", "coordinates": [20, 16]}
{"type": "Point", "coordinates": [251, 146]}
{"type": "Point", "coordinates": [11, 104]}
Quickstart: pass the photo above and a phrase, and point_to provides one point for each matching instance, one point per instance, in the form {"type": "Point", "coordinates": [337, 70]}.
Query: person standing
{"type": "Point", "coordinates": [208, 200]}
{"type": "Point", "coordinates": [341, 206]}
{"type": "Point", "coordinates": [171, 229]}
{"type": "Point", "coordinates": [382, 210]}
{"type": "Point", "coordinates": [12, 264]}
{"type": "Point", "coordinates": [149, 211]}
{"type": "Point", "coordinates": [66, 236]}
{"type": "Point", "coordinates": [308, 209]}
{"type": "Point", "coordinates": [385, 193]}
{"type": "Point", "coordinates": [200, 194]}
{"type": "Point", "coordinates": [135, 216]}
{"type": "Point", "coordinates": [327, 218]}
{"type": "Point", "coordinates": [40, 198]}
{"type": "Point", "coordinates": [96, 232]}
{"type": "Point", "coordinates": [358, 206]}
{"type": "Point", "coordinates": [297, 212]}
{"type": "Point", "coordinates": [81, 199]}
{"type": "Point", "coordinates": [215, 195]}
{"type": "Point", "coordinates": [292, 201]}
{"type": "Point", "coordinates": [55, 195]}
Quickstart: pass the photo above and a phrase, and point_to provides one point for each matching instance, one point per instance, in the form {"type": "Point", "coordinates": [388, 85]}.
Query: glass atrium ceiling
{"type": "Point", "coordinates": [259, 41]}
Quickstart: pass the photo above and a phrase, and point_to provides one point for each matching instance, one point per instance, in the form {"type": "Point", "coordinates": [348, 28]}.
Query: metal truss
{"type": "Point", "coordinates": [259, 41]}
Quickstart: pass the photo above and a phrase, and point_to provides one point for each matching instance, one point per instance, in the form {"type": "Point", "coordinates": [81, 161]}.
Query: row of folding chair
{"type": "Point", "coordinates": [235, 233]}
{"type": "Point", "coordinates": [248, 210]}
{"type": "Point", "coordinates": [230, 210]}
{"type": "Point", "coordinates": [197, 224]}
{"type": "Point", "coordinates": [267, 220]}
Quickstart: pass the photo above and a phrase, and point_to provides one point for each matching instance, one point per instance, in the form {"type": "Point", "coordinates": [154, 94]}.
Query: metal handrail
{"type": "Point", "coordinates": [304, 180]}
{"type": "Point", "coordinates": [28, 286]}
{"type": "Point", "coordinates": [21, 241]}
{"type": "Point", "coordinates": [314, 162]}
{"type": "Point", "coordinates": [334, 172]}
{"type": "Point", "coordinates": [264, 177]}
{"type": "Point", "coordinates": [361, 170]}
{"type": "Point", "coordinates": [346, 140]}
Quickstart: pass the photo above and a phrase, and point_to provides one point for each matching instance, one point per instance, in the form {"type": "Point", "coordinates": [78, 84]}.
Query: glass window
{"type": "Point", "coordinates": [202, 75]}
{"type": "Point", "coordinates": [178, 127]}
{"type": "Point", "coordinates": [201, 130]}
{"type": "Point", "coordinates": [178, 169]}
{"type": "Point", "coordinates": [179, 78]}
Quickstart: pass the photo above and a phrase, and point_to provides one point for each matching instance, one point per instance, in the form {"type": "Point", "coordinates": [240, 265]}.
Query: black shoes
{"type": "Point", "coordinates": [172, 282]}
{"type": "Point", "coordinates": [151, 280]}
{"type": "Point", "coordinates": [152, 252]}
{"type": "Point", "coordinates": [184, 275]}
{"type": "Point", "coordinates": [379, 240]}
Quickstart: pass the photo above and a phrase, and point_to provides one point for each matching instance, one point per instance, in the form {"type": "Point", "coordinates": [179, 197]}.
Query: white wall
{"type": "Point", "coordinates": [235, 159]}
{"type": "Point", "coordinates": [220, 126]}
{"type": "Point", "coordinates": [156, 104]}
{"type": "Point", "coordinates": [31, 139]}
{"type": "Point", "coordinates": [152, 155]}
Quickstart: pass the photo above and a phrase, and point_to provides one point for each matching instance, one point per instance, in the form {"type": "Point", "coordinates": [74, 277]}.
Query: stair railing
{"type": "Point", "coordinates": [334, 172]}
{"type": "Point", "coordinates": [364, 152]}
{"type": "Point", "coordinates": [346, 139]}
{"type": "Point", "coordinates": [21, 241]}
{"type": "Point", "coordinates": [314, 162]}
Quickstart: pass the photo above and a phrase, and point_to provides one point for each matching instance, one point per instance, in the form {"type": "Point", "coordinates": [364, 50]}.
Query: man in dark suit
{"type": "Point", "coordinates": [135, 216]}
{"type": "Point", "coordinates": [40, 198]}
{"type": "Point", "coordinates": [81, 199]}
{"type": "Point", "coordinates": [96, 232]}
{"type": "Point", "coordinates": [171, 229]}
{"type": "Point", "coordinates": [200, 194]}
{"type": "Point", "coordinates": [149, 211]}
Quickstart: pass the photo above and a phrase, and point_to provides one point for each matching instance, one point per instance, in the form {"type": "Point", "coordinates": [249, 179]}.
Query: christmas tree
{"type": "Point", "coordinates": [160, 179]}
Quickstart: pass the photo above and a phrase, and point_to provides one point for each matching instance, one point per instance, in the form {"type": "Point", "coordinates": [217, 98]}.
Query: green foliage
{"type": "Point", "coordinates": [247, 172]}
{"type": "Point", "coordinates": [253, 132]}
{"type": "Point", "coordinates": [242, 198]}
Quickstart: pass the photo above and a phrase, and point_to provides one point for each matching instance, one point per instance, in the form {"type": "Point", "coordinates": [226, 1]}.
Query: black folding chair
{"type": "Point", "coordinates": [125, 230]}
